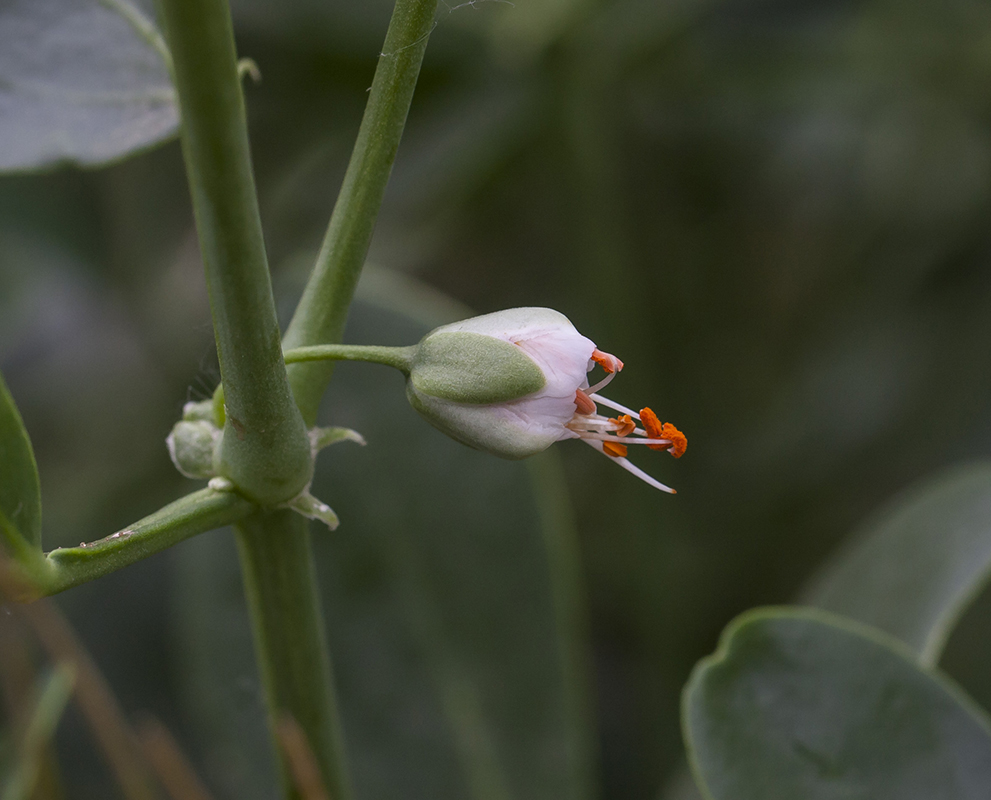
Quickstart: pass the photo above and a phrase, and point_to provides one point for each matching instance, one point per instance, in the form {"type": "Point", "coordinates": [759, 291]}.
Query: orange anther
{"type": "Point", "coordinates": [584, 403]}
{"type": "Point", "coordinates": [656, 430]}
{"type": "Point", "coordinates": [625, 425]}
{"type": "Point", "coordinates": [653, 427]}
{"type": "Point", "coordinates": [607, 361]}
{"type": "Point", "coordinates": [613, 449]}
{"type": "Point", "coordinates": [679, 442]}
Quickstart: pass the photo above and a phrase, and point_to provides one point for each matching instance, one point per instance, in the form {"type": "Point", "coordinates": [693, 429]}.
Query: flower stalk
{"type": "Point", "coordinates": [323, 308]}
{"type": "Point", "coordinates": [400, 358]}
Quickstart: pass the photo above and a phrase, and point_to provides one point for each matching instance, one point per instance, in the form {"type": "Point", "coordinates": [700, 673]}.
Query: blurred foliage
{"type": "Point", "coordinates": [774, 213]}
{"type": "Point", "coordinates": [916, 567]}
{"type": "Point", "coordinates": [798, 703]}
{"type": "Point", "coordinates": [83, 82]}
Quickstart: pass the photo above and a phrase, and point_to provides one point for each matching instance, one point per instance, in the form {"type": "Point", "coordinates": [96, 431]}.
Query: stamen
{"type": "Point", "coordinates": [584, 403]}
{"type": "Point", "coordinates": [658, 430]}
{"type": "Point", "coordinates": [679, 442]}
{"type": "Point", "coordinates": [655, 444]}
{"type": "Point", "coordinates": [624, 425]}
{"type": "Point", "coordinates": [598, 398]}
{"type": "Point", "coordinates": [607, 361]}
{"type": "Point", "coordinates": [625, 464]}
{"type": "Point", "coordinates": [601, 384]}
{"type": "Point", "coordinates": [652, 425]}
{"type": "Point", "coordinates": [591, 423]}
{"type": "Point", "coordinates": [613, 449]}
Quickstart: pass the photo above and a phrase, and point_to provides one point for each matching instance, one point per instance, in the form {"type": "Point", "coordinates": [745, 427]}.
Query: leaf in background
{"type": "Point", "coordinates": [52, 694]}
{"type": "Point", "coordinates": [20, 491]}
{"type": "Point", "coordinates": [797, 703]}
{"type": "Point", "coordinates": [455, 678]}
{"type": "Point", "coordinates": [81, 81]}
{"type": "Point", "coordinates": [913, 570]}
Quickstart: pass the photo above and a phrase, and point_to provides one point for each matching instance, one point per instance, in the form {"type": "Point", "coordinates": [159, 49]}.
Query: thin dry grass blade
{"type": "Point", "coordinates": [302, 763]}
{"type": "Point", "coordinates": [92, 693]}
{"type": "Point", "coordinates": [169, 762]}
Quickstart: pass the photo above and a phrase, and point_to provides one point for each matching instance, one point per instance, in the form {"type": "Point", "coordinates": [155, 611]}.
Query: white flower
{"type": "Point", "coordinates": [514, 382]}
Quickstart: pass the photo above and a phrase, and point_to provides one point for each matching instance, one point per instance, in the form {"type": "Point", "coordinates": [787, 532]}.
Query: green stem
{"type": "Point", "coordinates": [279, 582]}
{"type": "Point", "coordinates": [265, 452]}
{"type": "Point", "coordinates": [323, 309]}
{"type": "Point", "coordinates": [560, 535]}
{"type": "Point", "coordinates": [400, 358]}
{"type": "Point", "coordinates": [279, 577]}
{"type": "Point", "coordinates": [275, 555]}
{"type": "Point", "coordinates": [193, 514]}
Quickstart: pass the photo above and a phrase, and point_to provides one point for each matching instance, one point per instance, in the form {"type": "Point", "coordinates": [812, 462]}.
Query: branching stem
{"type": "Point", "coordinates": [323, 309]}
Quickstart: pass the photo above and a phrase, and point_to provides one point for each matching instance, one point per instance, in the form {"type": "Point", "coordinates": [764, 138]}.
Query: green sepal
{"type": "Point", "coordinates": [311, 508]}
{"type": "Point", "coordinates": [467, 367]}
{"type": "Point", "coordinates": [325, 437]}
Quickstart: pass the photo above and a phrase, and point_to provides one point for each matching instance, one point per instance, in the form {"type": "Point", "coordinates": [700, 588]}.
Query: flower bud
{"type": "Point", "coordinates": [503, 382]}
{"type": "Point", "coordinates": [194, 447]}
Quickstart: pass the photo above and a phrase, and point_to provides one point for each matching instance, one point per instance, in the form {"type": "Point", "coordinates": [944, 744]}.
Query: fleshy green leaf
{"type": "Point", "coordinates": [913, 569]}
{"type": "Point", "coordinates": [196, 513]}
{"type": "Point", "coordinates": [20, 491]}
{"type": "Point", "coordinates": [797, 703]}
{"type": "Point", "coordinates": [454, 674]}
{"type": "Point", "coordinates": [81, 81]}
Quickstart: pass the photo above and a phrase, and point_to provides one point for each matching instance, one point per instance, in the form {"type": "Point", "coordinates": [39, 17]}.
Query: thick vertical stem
{"type": "Point", "coordinates": [274, 547]}
{"type": "Point", "coordinates": [279, 582]}
{"type": "Point", "coordinates": [265, 450]}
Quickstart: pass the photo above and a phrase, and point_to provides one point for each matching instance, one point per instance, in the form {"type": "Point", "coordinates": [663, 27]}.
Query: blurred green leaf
{"type": "Point", "coordinates": [20, 491]}
{"type": "Point", "coordinates": [911, 570]}
{"type": "Point", "coordinates": [81, 81]}
{"type": "Point", "coordinates": [456, 679]}
{"type": "Point", "coordinates": [914, 568]}
{"type": "Point", "coordinates": [797, 703]}
{"type": "Point", "coordinates": [53, 693]}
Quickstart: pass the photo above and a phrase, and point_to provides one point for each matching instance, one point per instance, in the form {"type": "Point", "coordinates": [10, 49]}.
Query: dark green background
{"type": "Point", "coordinates": [776, 213]}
